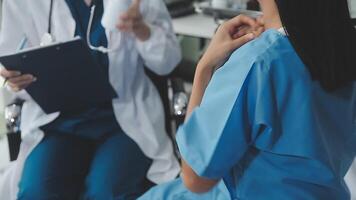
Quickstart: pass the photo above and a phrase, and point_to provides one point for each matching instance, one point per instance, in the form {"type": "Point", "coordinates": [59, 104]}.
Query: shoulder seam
{"type": "Point", "coordinates": [261, 55]}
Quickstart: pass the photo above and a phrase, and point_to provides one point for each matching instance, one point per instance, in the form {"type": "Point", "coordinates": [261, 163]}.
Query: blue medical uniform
{"type": "Point", "coordinates": [269, 130]}
{"type": "Point", "coordinates": [85, 154]}
{"type": "Point", "coordinates": [175, 190]}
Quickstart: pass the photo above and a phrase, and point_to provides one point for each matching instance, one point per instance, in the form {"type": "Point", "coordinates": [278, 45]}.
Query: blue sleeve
{"type": "Point", "coordinates": [220, 131]}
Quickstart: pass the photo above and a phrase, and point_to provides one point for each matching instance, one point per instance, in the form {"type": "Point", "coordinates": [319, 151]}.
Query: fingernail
{"type": "Point", "coordinates": [34, 79]}
{"type": "Point", "coordinates": [17, 73]}
{"type": "Point", "coordinates": [251, 35]}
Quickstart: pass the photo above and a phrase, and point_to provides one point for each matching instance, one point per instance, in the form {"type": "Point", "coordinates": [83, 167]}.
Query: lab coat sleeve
{"type": "Point", "coordinates": [161, 52]}
{"type": "Point", "coordinates": [11, 34]}
{"type": "Point", "coordinates": [219, 132]}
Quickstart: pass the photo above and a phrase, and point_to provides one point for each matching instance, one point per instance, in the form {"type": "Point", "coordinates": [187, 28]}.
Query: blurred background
{"type": "Point", "coordinates": [194, 39]}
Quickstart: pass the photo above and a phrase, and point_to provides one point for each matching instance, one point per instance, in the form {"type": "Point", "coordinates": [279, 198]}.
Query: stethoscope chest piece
{"type": "Point", "coordinates": [46, 39]}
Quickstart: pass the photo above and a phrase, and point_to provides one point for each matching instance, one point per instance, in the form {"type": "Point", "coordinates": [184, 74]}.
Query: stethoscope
{"type": "Point", "coordinates": [48, 37]}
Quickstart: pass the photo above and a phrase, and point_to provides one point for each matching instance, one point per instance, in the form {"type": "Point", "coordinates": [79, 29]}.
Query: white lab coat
{"type": "Point", "coordinates": [350, 177]}
{"type": "Point", "coordinates": [139, 110]}
{"type": "Point", "coordinates": [351, 180]}
{"type": "Point", "coordinates": [352, 5]}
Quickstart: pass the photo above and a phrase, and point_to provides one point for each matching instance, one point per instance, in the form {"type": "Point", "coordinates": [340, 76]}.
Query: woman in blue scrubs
{"type": "Point", "coordinates": [278, 120]}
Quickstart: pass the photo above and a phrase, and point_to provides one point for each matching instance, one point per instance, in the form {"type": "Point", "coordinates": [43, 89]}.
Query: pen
{"type": "Point", "coordinates": [21, 45]}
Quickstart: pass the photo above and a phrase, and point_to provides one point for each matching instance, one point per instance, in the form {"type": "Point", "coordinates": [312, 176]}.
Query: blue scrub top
{"type": "Point", "coordinates": [269, 130]}
{"type": "Point", "coordinates": [81, 14]}
{"type": "Point", "coordinates": [69, 121]}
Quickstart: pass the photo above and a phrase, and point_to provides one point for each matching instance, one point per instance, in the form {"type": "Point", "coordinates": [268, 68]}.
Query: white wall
{"type": "Point", "coordinates": [2, 95]}
{"type": "Point", "coordinates": [353, 8]}
{"type": "Point", "coordinates": [351, 180]}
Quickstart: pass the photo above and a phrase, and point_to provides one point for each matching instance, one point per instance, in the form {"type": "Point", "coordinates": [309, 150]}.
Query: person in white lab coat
{"type": "Point", "coordinates": [110, 151]}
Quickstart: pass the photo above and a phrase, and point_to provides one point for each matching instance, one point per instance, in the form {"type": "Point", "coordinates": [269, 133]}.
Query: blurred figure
{"type": "Point", "coordinates": [115, 150]}
{"type": "Point", "coordinates": [278, 119]}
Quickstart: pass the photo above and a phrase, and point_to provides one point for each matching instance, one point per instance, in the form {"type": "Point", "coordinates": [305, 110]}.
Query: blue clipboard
{"type": "Point", "coordinates": [67, 76]}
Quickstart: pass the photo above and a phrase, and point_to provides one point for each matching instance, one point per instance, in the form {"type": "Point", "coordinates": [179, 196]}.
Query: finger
{"type": "Point", "coordinates": [245, 30]}
{"type": "Point", "coordinates": [9, 74]}
{"type": "Point", "coordinates": [260, 21]}
{"type": "Point", "coordinates": [127, 24]}
{"type": "Point", "coordinates": [241, 32]}
{"type": "Point", "coordinates": [124, 17]}
{"type": "Point", "coordinates": [241, 20]}
{"type": "Point", "coordinates": [136, 24]}
{"type": "Point", "coordinates": [17, 88]}
{"type": "Point", "coordinates": [136, 4]}
{"type": "Point", "coordinates": [259, 31]}
{"type": "Point", "coordinates": [14, 87]}
{"type": "Point", "coordinates": [21, 85]}
{"type": "Point", "coordinates": [19, 79]}
{"type": "Point", "coordinates": [119, 26]}
{"type": "Point", "coordinates": [129, 16]}
{"type": "Point", "coordinates": [134, 7]}
{"type": "Point", "coordinates": [242, 40]}
{"type": "Point", "coordinates": [242, 28]}
{"type": "Point", "coordinates": [124, 27]}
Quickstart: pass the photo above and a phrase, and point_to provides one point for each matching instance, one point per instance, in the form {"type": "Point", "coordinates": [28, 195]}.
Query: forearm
{"type": "Point", "coordinates": [194, 182]}
{"type": "Point", "coordinates": [191, 180]}
{"type": "Point", "coordinates": [202, 78]}
{"type": "Point", "coordinates": [226, 40]}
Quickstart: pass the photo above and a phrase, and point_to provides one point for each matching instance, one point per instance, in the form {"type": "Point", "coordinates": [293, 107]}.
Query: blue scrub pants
{"type": "Point", "coordinates": [86, 158]}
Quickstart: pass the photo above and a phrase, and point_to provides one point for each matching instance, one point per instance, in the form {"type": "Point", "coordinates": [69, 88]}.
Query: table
{"type": "Point", "coordinates": [196, 25]}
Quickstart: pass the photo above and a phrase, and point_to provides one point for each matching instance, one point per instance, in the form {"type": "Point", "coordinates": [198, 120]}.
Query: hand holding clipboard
{"type": "Point", "coordinates": [67, 76]}
{"type": "Point", "coordinates": [16, 80]}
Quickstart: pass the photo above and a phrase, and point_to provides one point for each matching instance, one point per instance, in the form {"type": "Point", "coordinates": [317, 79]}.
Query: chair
{"type": "Point", "coordinates": [174, 99]}
{"type": "Point", "coordinates": [13, 121]}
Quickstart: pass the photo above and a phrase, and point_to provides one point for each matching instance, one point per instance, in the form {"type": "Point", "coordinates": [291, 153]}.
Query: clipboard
{"type": "Point", "coordinates": [67, 76]}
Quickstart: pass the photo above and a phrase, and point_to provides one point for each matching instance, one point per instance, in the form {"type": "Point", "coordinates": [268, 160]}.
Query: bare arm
{"type": "Point", "coordinates": [227, 39]}
{"type": "Point", "coordinates": [156, 41]}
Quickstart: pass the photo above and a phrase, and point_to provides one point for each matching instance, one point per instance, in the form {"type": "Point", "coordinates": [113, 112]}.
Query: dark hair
{"type": "Point", "coordinates": [323, 35]}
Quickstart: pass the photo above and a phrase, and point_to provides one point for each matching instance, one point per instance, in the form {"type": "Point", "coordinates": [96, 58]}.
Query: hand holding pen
{"type": "Point", "coordinates": [15, 79]}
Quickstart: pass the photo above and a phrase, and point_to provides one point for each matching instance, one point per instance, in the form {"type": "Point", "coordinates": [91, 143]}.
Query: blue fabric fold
{"type": "Point", "coordinates": [263, 113]}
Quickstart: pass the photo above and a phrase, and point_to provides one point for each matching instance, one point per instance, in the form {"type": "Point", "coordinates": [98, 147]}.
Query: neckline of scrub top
{"type": "Point", "coordinates": [81, 14]}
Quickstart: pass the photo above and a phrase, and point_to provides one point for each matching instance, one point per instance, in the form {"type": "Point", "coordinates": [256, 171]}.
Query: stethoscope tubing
{"type": "Point", "coordinates": [92, 12]}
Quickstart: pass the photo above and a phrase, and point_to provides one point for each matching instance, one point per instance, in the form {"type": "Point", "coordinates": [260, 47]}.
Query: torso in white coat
{"type": "Point", "coordinates": [138, 109]}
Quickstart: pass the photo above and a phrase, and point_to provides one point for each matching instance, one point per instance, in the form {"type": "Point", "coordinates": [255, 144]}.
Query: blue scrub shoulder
{"type": "Point", "coordinates": [267, 51]}
{"type": "Point", "coordinates": [264, 99]}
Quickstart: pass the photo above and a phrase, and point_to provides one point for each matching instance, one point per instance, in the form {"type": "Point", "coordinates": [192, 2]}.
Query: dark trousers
{"type": "Point", "coordinates": [86, 157]}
